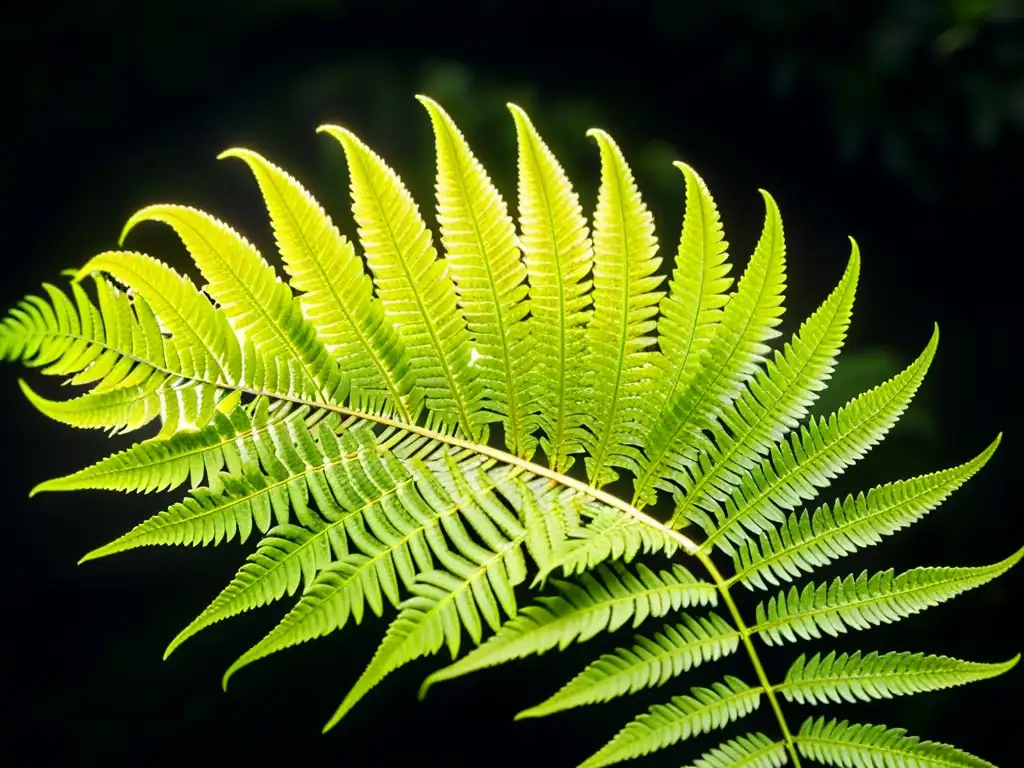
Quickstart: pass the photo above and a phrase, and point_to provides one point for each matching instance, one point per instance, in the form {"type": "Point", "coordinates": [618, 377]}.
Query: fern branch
{"type": "Point", "coordinates": [651, 662]}
{"type": "Point", "coordinates": [559, 256]}
{"type": "Point", "coordinates": [337, 294]}
{"type": "Point", "coordinates": [413, 285]}
{"type": "Point", "coordinates": [617, 411]}
{"type": "Point", "coordinates": [805, 542]}
{"type": "Point", "coordinates": [856, 677]}
{"type": "Point", "coordinates": [841, 743]}
{"type": "Point", "coordinates": [691, 310]}
{"type": "Point", "coordinates": [755, 750]}
{"type": "Point", "coordinates": [864, 602]}
{"type": "Point", "coordinates": [483, 255]}
{"type": "Point", "coordinates": [665, 724]}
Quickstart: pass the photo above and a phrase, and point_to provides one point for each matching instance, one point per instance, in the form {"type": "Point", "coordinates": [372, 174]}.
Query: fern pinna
{"type": "Point", "coordinates": [351, 420]}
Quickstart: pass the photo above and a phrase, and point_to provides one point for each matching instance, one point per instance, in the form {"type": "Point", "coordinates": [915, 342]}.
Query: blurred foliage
{"type": "Point", "coordinates": [906, 80]}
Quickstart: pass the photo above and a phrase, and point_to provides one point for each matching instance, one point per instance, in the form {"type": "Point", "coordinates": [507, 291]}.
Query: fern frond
{"type": "Point", "coordinates": [259, 306]}
{"type": "Point", "coordinates": [289, 470]}
{"type": "Point", "coordinates": [863, 602]}
{"type": "Point", "coordinates": [808, 460]}
{"type": "Point", "coordinates": [617, 411]}
{"type": "Point", "coordinates": [665, 724]}
{"type": "Point", "coordinates": [445, 602]}
{"type": "Point", "coordinates": [188, 455]}
{"type": "Point", "coordinates": [755, 750]}
{"type": "Point", "coordinates": [730, 360]}
{"type": "Point", "coordinates": [559, 257]}
{"type": "Point", "coordinates": [584, 609]}
{"type": "Point", "coordinates": [808, 541]}
{"type": "Point", "coordinates": [198, 328]}
{"type": "Point", "coordinates": [856, 677]}
{"type": "Point", "coordinates": [129, 407]}
{"type": "Point", "coordinates": [482, 253]}
{"type": "Point", "coordinates": [287, 556]}
{"type": "Point", "coordinates": [341, 590]}
{"type": "Point", "coordinates": [849, 745]}
{"type": "Point", "coordinates": [414, 286]}
{"type": "Point", "coordinates": [774, 402]}
{"type": "Point", "coordinates": [691, 310]}
{"type": "Point", "coordinates": [651, 662]}
{"type": "Point", "coordinates": [115, 345]}
{"type": "Point", "coordinates": [335, 293]}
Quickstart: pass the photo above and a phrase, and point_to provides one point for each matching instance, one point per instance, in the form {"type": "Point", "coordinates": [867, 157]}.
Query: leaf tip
{"type": "Point", "coordinates": [240, 152]}
{"type": "Point", "coordinates": [427, 102]}
{"type": "Point", "coordinates": [227, 676]}
{"type": "Point", "coordinates": [421, 694]}
{"type": "Point", "coordinates": [528, 714]}
{"type": "Point", "coordinates": [46, 485]}
{"type": "Point", "coordinates": [93, 555]}
{"type": "Point", "coordinates": [180, 638]}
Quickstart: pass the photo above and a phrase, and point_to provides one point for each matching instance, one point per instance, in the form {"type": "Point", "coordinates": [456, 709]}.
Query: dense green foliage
{"type": "Point", "coordinates": [408, 437]}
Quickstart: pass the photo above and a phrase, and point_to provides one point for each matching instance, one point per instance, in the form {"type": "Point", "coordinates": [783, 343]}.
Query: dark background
{"type": "Point", "coordinates": [899, 123]}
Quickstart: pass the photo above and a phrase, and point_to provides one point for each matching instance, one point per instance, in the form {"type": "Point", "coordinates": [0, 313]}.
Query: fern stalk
{"type": "Point", "coordinates": [755, 659]}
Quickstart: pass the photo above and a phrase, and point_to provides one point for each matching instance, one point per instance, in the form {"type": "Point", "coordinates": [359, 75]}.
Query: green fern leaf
{"type": "Point", "coordinates": [584, 609]}
{"type": "Point", "coordinates": [692, 309]}
{"type": "Point", "coordinates": [811, 458]}
{"type": "Point", "coordinates": [867, 746]}
{"type": "Point", "coordinates": [559, 257]}
{"type": "Point", "coordinates": [617, 411]}
{"type": "Point", "coordinates": [755, 750]}
{"type": "Point", "coordinates": [665, 724]}
{"type": "Point", "coordinates": [260, 307]}
{"type": "Point", "coordinates": [413, 285]}
{"type": "Point", "coordinates": [651, 662]}
{"type": "Point", "coordinates": [482, 253]}
{"type": "Point", "coordinates": [775, 401]}
{"type": "Point", "coordinates": [188, 455]}
{"type": "Point", "coordinates": [865, 602]}
{"type": "Point", "coordinates": [342, 589]}
{"type": "Point", "coordinates": [805, 542]}
{"type": "Point", "coordinates": [286, 556]}
{"type": "Point", "coordinates": [857, 677]}
{"type": "Point", "coordinates": [730, 360]}
{"type": "Point", "coordinates": [443, 604]}
{"type": "Point", "coordinates": [128, 407]}
{"type": "Point", "coordinates": [336, 294]}
{"type": "Point", "coordinates": [345, 413]}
